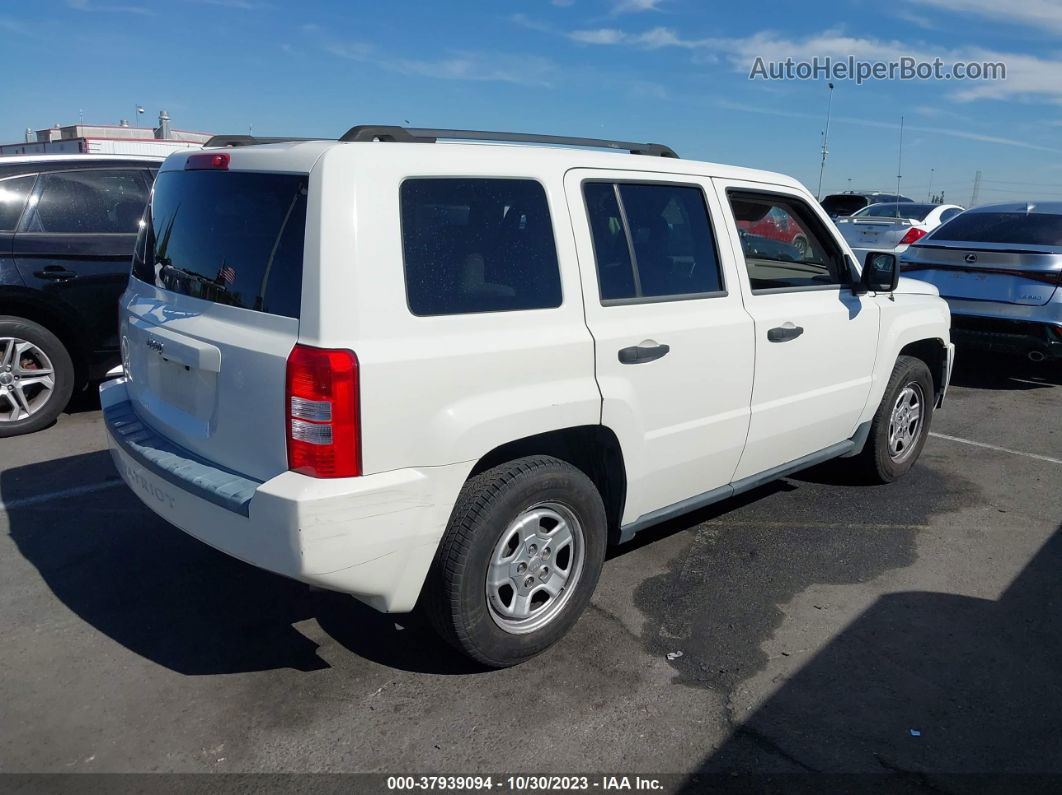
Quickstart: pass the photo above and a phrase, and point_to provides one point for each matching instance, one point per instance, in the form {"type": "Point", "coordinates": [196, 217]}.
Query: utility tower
{"type": "Point", "coordinates": [825, 140]}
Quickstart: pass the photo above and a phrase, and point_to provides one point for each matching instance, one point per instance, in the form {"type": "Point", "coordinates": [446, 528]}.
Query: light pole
{"type": "Point", "coordinates": [931, 183]}
{"type": "Point", "coordinates": [899, 161]}
{"type": "Point", "coordinates": [825, 141]}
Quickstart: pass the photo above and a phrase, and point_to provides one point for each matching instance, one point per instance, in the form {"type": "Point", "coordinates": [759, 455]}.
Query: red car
{"type": "Point", "coordinates": [780, 226]}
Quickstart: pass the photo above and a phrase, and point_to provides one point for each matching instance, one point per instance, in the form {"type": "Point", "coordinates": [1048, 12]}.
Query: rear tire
{"type": "Point", "coordinates": [896, 434]}
{"type": "Point", "coordinates": [496, 591]}
{"type": "Point", "coordinates": [36, 376]}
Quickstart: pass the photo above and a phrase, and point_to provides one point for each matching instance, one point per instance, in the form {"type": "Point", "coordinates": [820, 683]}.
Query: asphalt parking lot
{"type": "Point", "coordinates": [909, 630]}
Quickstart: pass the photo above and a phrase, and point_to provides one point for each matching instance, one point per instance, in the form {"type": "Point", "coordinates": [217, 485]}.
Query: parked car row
{"type": "Point", "coordinates": [999, 267]}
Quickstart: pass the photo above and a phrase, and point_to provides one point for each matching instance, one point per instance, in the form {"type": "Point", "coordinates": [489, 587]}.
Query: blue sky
{"type": "Point", "coordinates": [674, 71]}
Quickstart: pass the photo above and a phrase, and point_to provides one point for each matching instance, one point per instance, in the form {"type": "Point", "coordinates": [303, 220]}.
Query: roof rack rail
{"type": "Point", "coordinates": [372, 132]}
{"type": "Point", "coordinates": [248, 140]}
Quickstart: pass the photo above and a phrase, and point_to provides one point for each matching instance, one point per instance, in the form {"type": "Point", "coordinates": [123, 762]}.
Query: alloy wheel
{"type": "Point", "coordinates": [534, 568]}
{"type": "Point", "coordinates": [27, 379]}
{"type": "Point", "coordinates": [905, 424]}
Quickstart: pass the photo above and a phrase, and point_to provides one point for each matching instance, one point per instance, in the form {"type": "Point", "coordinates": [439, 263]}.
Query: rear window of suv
{"type": "Point", "coordinates": [229, 237]}
{"type": "Point", "coordinates": [897, 210]}
{"type": "Point", "coordinates": [478, 245]}
{"type": "Point", "coordinates": [843, 205]}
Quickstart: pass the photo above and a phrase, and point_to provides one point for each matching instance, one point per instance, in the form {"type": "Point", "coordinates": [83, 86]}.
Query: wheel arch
{"type": "Point", "coordinates": [27, 305]}
{"type": "Point", "coordinates": [915, 325]}
{"type": "Point", "coordinates": [593, 449]}
{"type": "Point", "coordinates": [934, 353]}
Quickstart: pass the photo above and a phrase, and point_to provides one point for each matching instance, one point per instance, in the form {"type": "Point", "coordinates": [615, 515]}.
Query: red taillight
{"type": "Point", "coordinates": [913, 234]}
{"type": "Point", "coordinates": [322, 409]}
{"type": "Point", "coordinates": [219, 160]}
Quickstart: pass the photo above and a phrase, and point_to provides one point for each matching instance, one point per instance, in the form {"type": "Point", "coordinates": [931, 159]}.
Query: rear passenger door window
{"type": "Point", "coordinates": [477, 245]}
{"type": "Point", "coordinates": [785, 245]}
{"type": "Point", "coordinates": [96, 201]}
{"type": "Point", "coordinates": [652, 242]}
{"type": "Point", "coordinates": [13, 194]}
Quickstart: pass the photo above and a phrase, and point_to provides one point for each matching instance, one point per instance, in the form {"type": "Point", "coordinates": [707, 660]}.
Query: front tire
{"type": "Point", "coordinates": [901, 425]}
{"type": "Point", "coordinates": [519, 561]}
{"type": "Point", "coordinates": [36, 376]}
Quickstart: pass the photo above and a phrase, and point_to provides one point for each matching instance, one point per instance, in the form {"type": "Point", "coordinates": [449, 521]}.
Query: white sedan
{"type": "Point", "coordinates": [893, 227]}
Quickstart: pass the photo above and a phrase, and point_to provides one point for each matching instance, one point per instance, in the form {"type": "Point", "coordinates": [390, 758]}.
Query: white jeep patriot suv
{"type": "Point", "coordinates": [450, 373]}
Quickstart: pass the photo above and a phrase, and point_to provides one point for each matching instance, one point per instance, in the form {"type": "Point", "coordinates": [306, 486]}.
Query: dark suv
{"type": "Point", "coordinates": [68, 224]}
{"type": "Point", "coordinates": [841, 205]}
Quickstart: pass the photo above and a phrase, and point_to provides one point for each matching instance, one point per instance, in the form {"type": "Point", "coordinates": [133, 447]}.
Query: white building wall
{"type": "Point", "coordinates": [108, 146]}
{"type": "Point", "coordinates": [103, 146]}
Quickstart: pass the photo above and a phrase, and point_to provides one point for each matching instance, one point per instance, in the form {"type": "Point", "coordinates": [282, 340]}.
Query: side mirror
{"type": "Point", "coordinates": [881, 272]}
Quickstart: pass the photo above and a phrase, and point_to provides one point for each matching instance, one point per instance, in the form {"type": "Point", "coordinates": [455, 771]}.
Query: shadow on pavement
{"type": "Point", "coordinates": [176, 601]}
{"type": "Point", "coordinates": [690, 520]}
{"type": "Point", "coordinates": [978, 680]}
{"type": "Point", "coordinates": [88, 399]}
{"type": "Point", "coordinates": [982, 370]}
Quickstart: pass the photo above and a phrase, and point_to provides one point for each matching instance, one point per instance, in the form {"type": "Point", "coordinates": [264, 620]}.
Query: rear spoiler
{"type": "Point", "coordinates": [882, 221]}
{"type": "Point", "coordinates": [247, 140]}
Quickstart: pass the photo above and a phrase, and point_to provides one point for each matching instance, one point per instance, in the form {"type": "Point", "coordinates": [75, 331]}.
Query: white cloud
{"type": "Point", "coordinates": [528, 70]}
{"type": "Point", "coordinates": [12, 26]}
{"type": "Point", "coordinates": [635, 6]}
{"type": "Point", "coordinates": [353, 51]}
{"type": "Point", "coordinates": [243, 5]}
{"type": "Point", "coordinates": [946, 131]}
{"type": "Point", "coordinates": [1028, 77]}
{"type": "Point", "coordinates": [497, 67]}
{"type": "Point", "coordinates": [940, 112]}
{"type": "Point", "coordinates": [1037, 13]}
{"type": "Point", "coordinates": [918, 20]}
{"type": "Point", "coordinates": [524, 21]}
{"type": "Point", "coordinates": [647, 89]}
{"type": "Point", "coordinates": [650, 39]}
{"type": "Point", "coordinates": [85, 5]}
{"type": "Point", "coordinates": [600, 36]}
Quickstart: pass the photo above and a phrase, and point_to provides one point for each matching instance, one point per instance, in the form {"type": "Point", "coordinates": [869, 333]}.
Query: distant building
{"type": "Point", "coordinates": [111, 139]}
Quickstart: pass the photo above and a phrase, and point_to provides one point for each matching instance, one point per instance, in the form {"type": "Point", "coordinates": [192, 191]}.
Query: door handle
{"type": "Point", "coordinates": [647, 351]}
{"type": "Point", "coordinates": [784, 333]}
{"type": "Point", "coordinates": [55, 273]}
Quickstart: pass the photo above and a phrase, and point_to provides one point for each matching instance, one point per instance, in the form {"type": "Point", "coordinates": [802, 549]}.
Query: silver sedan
{"type": "Point", "coordinates": [1000, 269]}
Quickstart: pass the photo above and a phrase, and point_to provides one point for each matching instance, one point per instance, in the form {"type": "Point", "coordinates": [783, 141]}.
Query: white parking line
{"type": "Point", "coordinates": [76, 491]}
{"type": "Point", "coordinates": [1047, 458]}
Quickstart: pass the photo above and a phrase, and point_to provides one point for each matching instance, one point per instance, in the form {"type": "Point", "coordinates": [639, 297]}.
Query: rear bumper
{"type": "Point", "coordinates": [373, 536]}
{"type": "Point", "coordinates": [1008, 336]}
